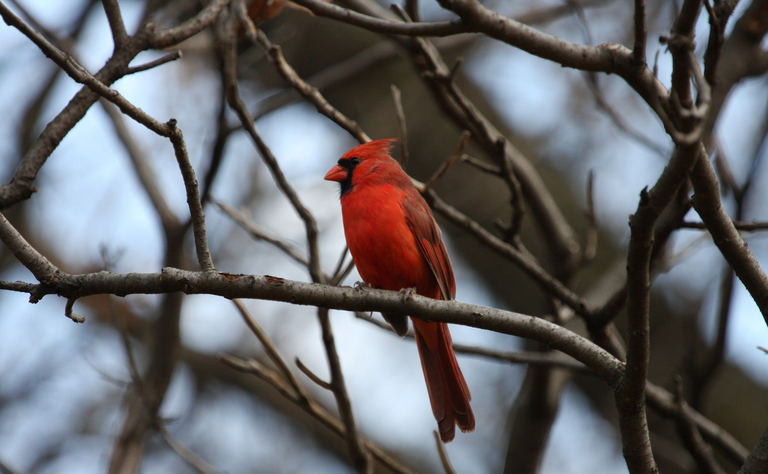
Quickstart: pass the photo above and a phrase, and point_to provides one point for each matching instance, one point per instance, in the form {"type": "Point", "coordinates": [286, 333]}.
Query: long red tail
{"type": "Point", "coordinates": [448, 391]}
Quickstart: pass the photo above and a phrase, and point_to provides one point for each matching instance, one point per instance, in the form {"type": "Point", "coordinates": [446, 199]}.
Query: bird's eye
{"type": "Point", "coordinates": [355, 161]}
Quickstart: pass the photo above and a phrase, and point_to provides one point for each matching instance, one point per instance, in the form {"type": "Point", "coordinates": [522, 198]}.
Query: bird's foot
{"type": "Point", "coordinates": [407, 294]}
{"type": "Point", "coordinates": [361, 285]}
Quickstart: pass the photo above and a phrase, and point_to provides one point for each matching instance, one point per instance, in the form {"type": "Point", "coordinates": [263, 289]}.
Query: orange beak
{"type": "Point", "coordinates": [337, 173]}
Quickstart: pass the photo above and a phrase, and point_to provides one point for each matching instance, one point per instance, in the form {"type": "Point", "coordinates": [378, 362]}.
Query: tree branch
{"type": "Point", "coordinates": [436, 28]}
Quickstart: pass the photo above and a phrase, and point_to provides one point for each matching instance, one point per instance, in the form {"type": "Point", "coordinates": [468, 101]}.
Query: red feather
{"type": "Point", "coordinates": [396, 244]}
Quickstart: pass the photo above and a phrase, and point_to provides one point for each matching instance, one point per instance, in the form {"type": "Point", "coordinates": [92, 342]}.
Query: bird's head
{"type": "Point", "coordinates": [362, 162]}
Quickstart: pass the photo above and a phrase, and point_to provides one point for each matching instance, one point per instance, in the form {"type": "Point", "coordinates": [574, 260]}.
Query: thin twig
{"type": "Point", "coordinates": [340, 276]}
{"type": "Point", "coordinates": [312, 376]}
{"type": "Point", "coordinates": [318, 412]}
{"type": "Point", "coordinates": [690, 436]}
{"type": "Point", "coordinates": [435, 28]}
{"type": "Point", "coordinates": [68, 311]}
{"type": "Point", "coordinates": [555, 228]}
{"type": "Point", "coordinates": [592, 232]}
{"type": "Point", "coordinates": [342, 257]}
{"type": "Point", "coordinates": [550, 284]}
{"type": "Point", "coordinates": [373, 56]}
{"type": "Point", "coordinates": [190, 457]}
{"type": "Point", "coordinates": [481, 165]}
{"type": "Point", "coordinates": [20, 186]}
{"type": "Point", "coordinates": [515, 193]}
{"type": "Point", "coordinates": [744, 226]}
{"type": "Point", "coordinates": [261, 234]}
{"type": "Point", "coordinates": [144, 172]}
{"type": "Point", "coordinates": [440, 172]}
{"type": "Point", "coordinates": [623, 125]}
{"type": "Point", "coordinates": [223, 134]}
{"type": "Point", "coordinates": [444, 460]}
{"type": "Point", "coordinates": [358, 452]}
{"type": "Point", "coordinates": [155, 63]}
{"type": "Point", "coordinates": [275, 54]}
{"type": "Point", "coordinates": [271, 350]}
{"type": "Point", "coordinates": [553, 359]}
{"type": "Point", "coordinates": [237, 104]}
{"type": "Point", "coordinates": [397, 99]}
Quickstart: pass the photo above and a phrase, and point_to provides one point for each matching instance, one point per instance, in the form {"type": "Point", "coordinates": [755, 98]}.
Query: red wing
{"type": "Point", "coordinates": [430, 240]}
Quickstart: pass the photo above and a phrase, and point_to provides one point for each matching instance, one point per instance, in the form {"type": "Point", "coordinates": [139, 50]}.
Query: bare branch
{"type": "Point", "coordinates": [663, 402]}
{"type": "Point", "coordinates": [550, 284]}
{"type": "Point", "coordinates": [193, 198]}
{"type": "Point", "coordinates": [515, 193]}
{"type": "Point", "coordinates": [412, 8]}
{"type": "Point", "coordinates": [20, 286]}
{"type": "Point", "coordinates": [271, 350]}
{"type": "Point", "coordinates": [189, 456]}
{"type": "Point", "coordinates": [352, 299]}
{"type": "Point", "coordinates": [311, 93]}
{"type": "Point", "coordinates": [311, 375]}
{"type": "Point", "coordinates": [171, 36]}
{"type": "Point", "coordinates": [444, 460]}
{"type": "Point", "coordinates": [590, 241]}
{"type": "Point", "coordinates": [261, 234]}
{"type": "Point", "coordinates": [757, 462]}
{"type": "Point", "coordinates": [618, 120]}
{"type": "Point", "coordinates": [237, 104]}
{"type": "Point", "coordinates": [611, 58]}
{"type": "Point", "coordinates": [555, 228]}
{"type": "Point", "coordinates": [440, 172]}
{"type": "Point", "coordinates": [153, 64]}
{"type": "Point", "coordinates": [68, 311]}
{"type": "Point", "coordinates": [377, 54]}
{"type": "Point", "coordinates": [20, 187]}
{"type": "Point", "coordinates": [692, 440]}
{"type": "Point", "coordinates": [143, 170]}
{"type": "Point", "coordinates": [553, 359]}
{"type": "Point", "coordinates": [641, 31]}
{"type": "Point", "coordinates": [744, 226]}
{"type": "Point", "coordinates": [36, 263]}
{"type": "Point", "coordinates": [706, 201]}
{"type": "Point", "coordinates": [360, 456]}
{"type": "Point", "coordinates": [397, 99]}
{"type": "Point", "coordinates": [630, 397]}
{"type": "Point", "coordinates": [436, 28]}
{"type": "Point", "coordinates": [318, 412]}
{"type": "Point", "coordinates": [480, 165]}
{"type": "Point", "coordinates": [116, 24]}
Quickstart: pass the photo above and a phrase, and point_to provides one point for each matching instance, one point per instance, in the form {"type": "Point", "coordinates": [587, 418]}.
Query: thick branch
{"type": "Point", "coordinates": [353, 299]}
{"type": "Point", "coordinates": [706, 201]}
{"type": "Point", "coordinates": [757, 462]}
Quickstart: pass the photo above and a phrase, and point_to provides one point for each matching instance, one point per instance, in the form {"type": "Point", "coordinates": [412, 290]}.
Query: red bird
{"type": "Point", "coordinates": [396, 245]}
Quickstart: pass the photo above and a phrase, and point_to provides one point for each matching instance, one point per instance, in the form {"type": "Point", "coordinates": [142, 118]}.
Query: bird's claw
{"type": "Point", "coordinates": [361, 285]}
{"type": "Point", "coordinates": [407, 294]}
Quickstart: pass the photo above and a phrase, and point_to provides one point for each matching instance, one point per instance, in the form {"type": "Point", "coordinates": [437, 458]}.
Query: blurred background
{"type": "Point", "coordinates": [63, 386]}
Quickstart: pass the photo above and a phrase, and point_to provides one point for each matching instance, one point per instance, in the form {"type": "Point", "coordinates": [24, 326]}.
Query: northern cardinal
{"type": "Point", "coordinates": [396, 245]}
